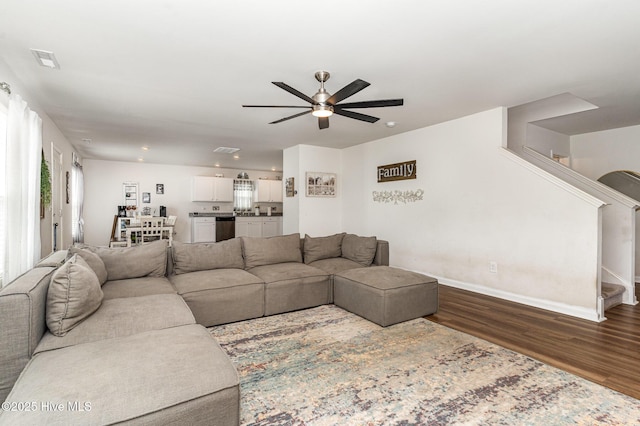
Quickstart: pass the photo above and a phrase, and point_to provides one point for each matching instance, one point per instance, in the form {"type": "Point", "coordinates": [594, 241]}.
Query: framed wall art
{"type": "Point", "coordinates": [290, 187]}
{"type": "Point", "coordinates": [320, 184]}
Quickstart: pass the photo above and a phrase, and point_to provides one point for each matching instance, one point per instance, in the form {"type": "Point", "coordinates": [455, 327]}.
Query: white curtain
{"type": "Point", "coordinates": [21, 210]}
{"type": "Point", "coordinates": [77, 201]}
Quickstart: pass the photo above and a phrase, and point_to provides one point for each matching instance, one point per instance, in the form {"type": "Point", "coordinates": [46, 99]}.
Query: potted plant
{"type": "Point", "coordinates": [45, 186]}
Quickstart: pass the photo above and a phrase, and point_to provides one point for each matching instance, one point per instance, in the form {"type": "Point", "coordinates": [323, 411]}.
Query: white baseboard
{"type": "Point", "coordinates": [561, 308]}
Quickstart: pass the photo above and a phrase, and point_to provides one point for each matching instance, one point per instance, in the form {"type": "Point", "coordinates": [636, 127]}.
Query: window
{"type": "Point", "coordinates": [242, 194]}
{"type": "Point", "coordinates": [3, 197]}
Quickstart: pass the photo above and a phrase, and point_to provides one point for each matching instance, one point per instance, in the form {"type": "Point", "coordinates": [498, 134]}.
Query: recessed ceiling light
{"type": "Point", "coordinates": [217, 164]}
{"type": "Point", "coordinates": [235, 157]}
{"type": "Point", "coordinates": [226, 150]}
{"type": "Point", "coordinates": [145, 148]}
{"type": "Point", "coordinates": [46, 59]}
{"type": "Point", "coordinates": [140, 159]}
{"type": "Point", "coordinates": [390, 124]}
{"type": "Point", "coordinates": [273, 169]}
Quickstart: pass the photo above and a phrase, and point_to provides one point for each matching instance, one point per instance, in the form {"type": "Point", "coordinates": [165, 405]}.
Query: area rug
{"type": "Point", "coordinates": [326, 366]}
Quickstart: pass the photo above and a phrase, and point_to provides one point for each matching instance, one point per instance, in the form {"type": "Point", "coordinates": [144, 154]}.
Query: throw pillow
{"type": "Point", "coordinates": [205, 256]}
{"type": "Point", "coordinates": [361, 250]}
{"type": "Point", "coordinates": [93, 260]}
{"type": "Point", "coordinates": [146, 260]}
{"type": "Point", "coordinates": [74, 294]}
{"type": "Point", "coordinates": [322, 247]}
{"type": "Point", "coordinates": [267, 251]}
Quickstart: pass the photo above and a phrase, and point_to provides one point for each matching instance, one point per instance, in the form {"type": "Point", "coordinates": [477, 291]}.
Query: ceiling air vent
{"type": "Point", "coordinates": [226, 150]}
{"type": "Point", "coordinates": [46, 59]}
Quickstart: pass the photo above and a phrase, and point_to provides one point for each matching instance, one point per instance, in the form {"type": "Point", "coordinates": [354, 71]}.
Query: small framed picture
{"type": "Point", "coordinates": [290, 187]}
{"type": "Point", "coordinates": [160, 188]}
{"type": "Point", "coordinates": [321, 184]}
{"type": "Point", "coordinates": [146, 197]}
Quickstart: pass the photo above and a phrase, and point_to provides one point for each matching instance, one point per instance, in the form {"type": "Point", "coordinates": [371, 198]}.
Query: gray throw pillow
{"type": "Point", "coordinates": [74, 294]}
{"type": "Point", "coordinates": [322, 247]}
{"type": "Point", "coordinates": [93, 260]}
{"type": "Point", "coordinates": [267, 251]}
{"type": "Point", "coordinates": [146, 260]}
{"type": "Point", "coordinates": [205, 256]}
{"type": "Point", "coordinates": [361, 250]}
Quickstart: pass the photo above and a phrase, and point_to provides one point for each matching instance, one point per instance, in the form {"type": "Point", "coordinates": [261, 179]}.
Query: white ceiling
{"type": "Point", "coordinates": [172, 75]}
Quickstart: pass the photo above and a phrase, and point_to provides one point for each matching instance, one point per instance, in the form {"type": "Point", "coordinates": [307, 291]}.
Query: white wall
{"type": "Point", "coordinates": [316, 216]}
{"type": "Point", "coordinates": [598, 153]}
{"type": "Point", "coordinates": [481, 204]}
{"type": "Point", "coordinates": [547, 141]}
{"type": "Point", "coordinates": [50, 134]}
{"type": "Point", "coordinates": [103, 193]}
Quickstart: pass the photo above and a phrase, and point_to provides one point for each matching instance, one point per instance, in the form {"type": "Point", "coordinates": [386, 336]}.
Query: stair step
{"type": "Point", "coordinates": [612, 294]}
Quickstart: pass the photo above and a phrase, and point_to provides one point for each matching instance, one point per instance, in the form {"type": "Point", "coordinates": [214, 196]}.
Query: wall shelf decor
{"type": "Point", "coordinates": [396, 197]}
{"type": "Point", "coordinates": [321, 184]}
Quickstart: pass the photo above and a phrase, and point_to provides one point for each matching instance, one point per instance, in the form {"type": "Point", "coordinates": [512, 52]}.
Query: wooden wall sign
{"type": "Point", "coordinates": [397, 171]}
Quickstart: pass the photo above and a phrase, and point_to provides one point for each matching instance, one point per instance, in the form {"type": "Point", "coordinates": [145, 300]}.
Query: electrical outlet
{"type": "Point", "coordinates": [493, 267]}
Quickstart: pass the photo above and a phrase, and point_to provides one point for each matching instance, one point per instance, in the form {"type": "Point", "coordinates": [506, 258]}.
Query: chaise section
{"type": "Point", "coordinates": [178, 375]}
{"type": "Point", "coordinates": [220, 296]}
{"type": "Point", "coordinates": [123, 317]}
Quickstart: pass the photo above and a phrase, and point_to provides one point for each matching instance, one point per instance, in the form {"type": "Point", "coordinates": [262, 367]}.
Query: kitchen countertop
{"type": "Point", "coordinates": [214, 214]}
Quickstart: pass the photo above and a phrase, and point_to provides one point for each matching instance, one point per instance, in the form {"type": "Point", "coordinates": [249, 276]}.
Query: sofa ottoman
{"type": "Point", "coordinates": [385, 295]}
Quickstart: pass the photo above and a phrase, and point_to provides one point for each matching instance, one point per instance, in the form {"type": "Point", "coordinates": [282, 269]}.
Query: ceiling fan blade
{"type": "Point", "coordinates": [355, 115]}
{"type": "Point", "coordinates": [323, 122]}
{"type": "Point", "coordinates": [274, 106]}
{"type": "Point", "coordinates": [294, 92]}
{"type": "Point", "coordinates": [290, 117]}
{"type": "Point", "coordinates": [348, 90]}
{"type": "Point", "coordinates": [373, 104]}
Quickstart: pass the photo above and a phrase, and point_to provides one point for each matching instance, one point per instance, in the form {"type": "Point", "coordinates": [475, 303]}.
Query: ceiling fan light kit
{"type": "Point", "coordinates": [324, 105]}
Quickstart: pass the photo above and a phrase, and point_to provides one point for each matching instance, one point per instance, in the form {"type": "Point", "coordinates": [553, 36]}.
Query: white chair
{"type": "Point", "coordinates": [171, 220]}
{"type": "Point", "coordinates": [151, 228]}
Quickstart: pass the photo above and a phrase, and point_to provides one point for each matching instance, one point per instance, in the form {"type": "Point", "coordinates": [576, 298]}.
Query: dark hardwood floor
{"type": "Point", "coordinates": [607, 353]}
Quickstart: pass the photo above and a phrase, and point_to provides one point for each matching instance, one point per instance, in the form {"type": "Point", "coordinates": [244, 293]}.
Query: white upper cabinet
{"type": "Point", "coordinates": [215, 189]}
{"type": "Point", "coordinates": [268, 191]}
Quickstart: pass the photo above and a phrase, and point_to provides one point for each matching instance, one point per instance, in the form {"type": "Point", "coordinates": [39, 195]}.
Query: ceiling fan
{"type": "Point", "coordinates": [323, 104]}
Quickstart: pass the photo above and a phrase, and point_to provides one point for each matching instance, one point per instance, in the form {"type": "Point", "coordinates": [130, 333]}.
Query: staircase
{"type": "Point", "coordinates": [612, 295]}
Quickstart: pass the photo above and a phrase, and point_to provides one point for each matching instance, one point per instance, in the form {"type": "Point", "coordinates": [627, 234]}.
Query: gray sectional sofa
{"type": "Point", "coordinates": [117, 335]}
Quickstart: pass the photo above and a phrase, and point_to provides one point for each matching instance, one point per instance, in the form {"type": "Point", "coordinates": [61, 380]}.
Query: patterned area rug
{"type": "Point", "coordinates": [326, 366]}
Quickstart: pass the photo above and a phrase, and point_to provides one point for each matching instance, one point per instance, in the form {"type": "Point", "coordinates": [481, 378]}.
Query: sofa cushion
{"type": "Point", "coordinates": [74, 294]}
{"type": "Point", "coordinates": [220, 296]}
{"type": "Point", "coordinates": [292, 286]}
{"type": "Point", "coordinates": [124, 317]}
{"type": "Point", "coordinates": [322, 247]}
{"type": "Point", "coordinates": [335, 265]}
{"type": "Point", "coordinates": [359, 249]}
{"type": "Point", "coordinates": [272, 250]}
{"type": "Point", "coordinates": [205, 256]}
{"type": "Point", "coordinates": [146, 260]}
{"type": "Point", "coordinates": [137, 287]}
{"type": "Point", "coordinates": [176, 376]}
{"type": "Point", "coordinates": [93, 260]}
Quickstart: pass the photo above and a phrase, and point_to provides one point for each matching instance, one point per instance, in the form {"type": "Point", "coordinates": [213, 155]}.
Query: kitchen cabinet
{"type": "Point", "coordinates": [271, 226]}
{"type": "Point", "coordinates": [212, 189]}
{"type": "Point", "coordinates": [268, 191]}
{"type": "Point", "coordinates": [203, 230]}
{"type": "Point", "coordinates": [249, 226]}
